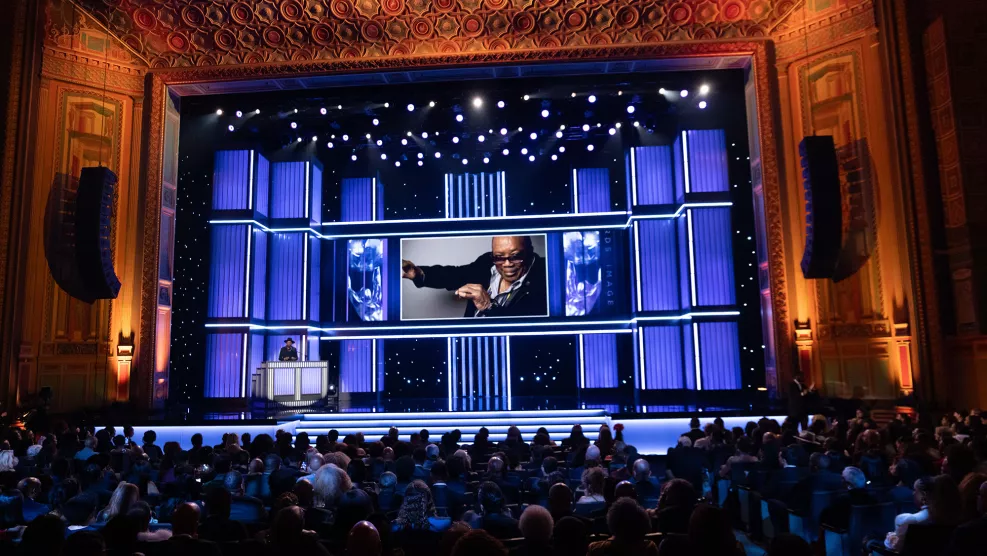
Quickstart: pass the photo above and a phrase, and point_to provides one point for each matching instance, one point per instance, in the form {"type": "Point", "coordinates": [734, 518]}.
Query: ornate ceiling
{"type": "Point", "coordinates": [172, 33]}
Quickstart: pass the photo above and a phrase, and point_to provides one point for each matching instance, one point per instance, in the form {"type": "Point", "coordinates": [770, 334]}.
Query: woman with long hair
{"type": "Point", "coordinates": [604, 442]}
{"type": "Point", "coordinates": [122, 498]}
{"type": "Point", "coordinates": [576, 438]}
{"type": "Point", "coordinates": [417, 512]}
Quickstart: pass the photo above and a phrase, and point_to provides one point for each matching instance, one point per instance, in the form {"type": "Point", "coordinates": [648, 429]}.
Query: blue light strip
{"type": "Point", "coordinates": [632, 218]}
{"type": "Point", "coordinates": [582, 363]}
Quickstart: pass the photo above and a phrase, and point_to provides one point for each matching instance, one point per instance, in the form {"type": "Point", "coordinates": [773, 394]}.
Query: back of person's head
{"type": "Point", "coordinates": [452, 536]}
{"type": "Point", "coordinates": [642, 469]}
{"type": "Point", "coordinates": [819, 461]}
{"type": "Point", "coordinates": [43, 536]}
{"type": "Point", "coordinates": [218, 501]}
{"type": "Point", "coordinates": [593, 454]}
{"type": "Point", "coordinates": [694, 423]}
{"type": "Point", "coordinates": [120, 536]}
{"type": "Point", "coordinates": [624, 489]}
{"type": "Point", "coordinates": [149, 436]}
{"type": "Point", "coordinates": [363, 540]}
{"type": "Point", "coordinates": [907, 471]}
{"type": "Point", "coordinates": [944, 501]}
{"type": "Point", "coordinates": [404, 468]}
{"type": "Point", "coordinates": [140, 514]}
{"type": "Point", "coordinates": [233, 482]}
{"type": "Point", "coordinates": [272, 462]}
{"type": "Point", "coordinates": [684, 442]}
{"type": "Point", "coordinates": [593, 479]}
{"type": "Point", "coordinates": [30, 487]}
{"type": "Point", "coordinates": [536, 524]}
{"type": "Point", "coordinates": [628, 521]}
{"type": "Point", "coordinates": [959, 461]}
{"type": "Point", "coordinates": [352, 507]}
{"type": "Point", "coordinates": [83, 543]}
{"type": "Point", "coordinates": [970, 494]}
{"type": "Point", "coordinates": [854, 477]}
{"type": "Point", "coordinates": [331, 482]}
{"type": "Point", "coordinates": [560, 500]}
{"type": "Point", "coordinates": [304, 493]}
{"type": "Point", "coordinates": [456, 467]}
{"type": "Point", "coordinates": [185, 520]}
{"type": "Point", "coordinates": [570, 536]}
{"type": "Point", "coordinates": [288, 526]}
{"type": "Point", "coordinates": [677, 493]}
{"type": "Point", "coordinates": [80, 509]}
{"type": "Point", "coordinates": [710, 531]}
{"type": "Point", "coordinates": [478, 543]}
{"type": "Point", "coordinates": [196, 440]}
{"type": "Point", "coordinates": [418, 454]}
{"type": "Point", "coordinates": [388, 480]}
{"type": "Point", "coordinates": [431, 452]}
{"type": "Point", "coordinates": [491, 498]}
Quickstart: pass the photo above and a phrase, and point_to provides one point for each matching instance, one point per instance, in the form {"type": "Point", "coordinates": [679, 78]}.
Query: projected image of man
{"type": "Point", "coordinates": [508, 281]}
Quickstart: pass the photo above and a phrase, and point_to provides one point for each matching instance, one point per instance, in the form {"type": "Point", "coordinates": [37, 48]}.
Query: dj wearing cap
{"type": "Point", "coordinates": [288, 352]}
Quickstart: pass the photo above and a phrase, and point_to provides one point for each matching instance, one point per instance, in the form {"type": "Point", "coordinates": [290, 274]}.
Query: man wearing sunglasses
{"type": "Point", "coordinates": [509, 281]}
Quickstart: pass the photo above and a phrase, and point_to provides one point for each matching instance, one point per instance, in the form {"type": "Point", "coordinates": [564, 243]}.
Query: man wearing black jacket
{"type": "Point", "coordinates": [509, 281]}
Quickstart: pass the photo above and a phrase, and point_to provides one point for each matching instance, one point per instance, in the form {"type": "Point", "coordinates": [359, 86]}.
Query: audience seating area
{"type": "Point", "coordinates": [842, 486]}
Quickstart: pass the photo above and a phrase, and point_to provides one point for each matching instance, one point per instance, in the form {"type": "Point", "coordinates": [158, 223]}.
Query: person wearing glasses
{"type": "Point", "coordinates": [508, 281]}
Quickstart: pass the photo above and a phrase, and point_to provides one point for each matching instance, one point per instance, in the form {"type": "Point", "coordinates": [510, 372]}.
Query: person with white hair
{"type": "Point", "coordinates": [838, 513]}
{"type": "Point", "coordinates": [536, 526]}
{"type": "Point", "coordinates": [88, 450]}
{"type": "Point", "coordinates": [330, 484]}
{"type": "Point", "coordinates": [314, 461]}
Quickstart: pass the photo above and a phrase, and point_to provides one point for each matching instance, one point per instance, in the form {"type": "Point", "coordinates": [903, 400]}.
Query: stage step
{"type": "Point", "coordinates": [558, 423]}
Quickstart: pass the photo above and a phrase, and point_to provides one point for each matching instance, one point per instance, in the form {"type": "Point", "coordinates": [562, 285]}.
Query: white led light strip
{"type": "Point", "coordinates": [246, 285]}
{"type": "Point", "coordinates": [575, 192]}
{"type": "Point", "coordinates": [696, 352]}
{"type": "Point", "coordinates": [637, 264]}
{"type": "Point", "coordinates": [692, 257]}
{"type": "Point", "coordinates": [640, 357]}
{"type": "Point", "coordinates": [685, 161]}
{"type": "Point", "coordinates": [633, 178]}
{"type": "Point", "coordinates": [582, 363]}
{"type": "Point", "coordinates": [304, 278]}
{"type": "Point", "coordinates": [250, 183]}
{"type": "Point", "coordinates": [243, 371]}
{"type": "Point", "coordinates": [373, 365]}
{"type": "Point", "coordinates": [307, 187]}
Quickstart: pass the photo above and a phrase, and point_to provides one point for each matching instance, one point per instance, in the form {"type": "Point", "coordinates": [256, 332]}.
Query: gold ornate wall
{"type": "Point", "coordinates": [820, 66]}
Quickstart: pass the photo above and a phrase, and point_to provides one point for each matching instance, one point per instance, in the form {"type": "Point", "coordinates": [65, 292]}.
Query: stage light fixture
{"type": "Point", "coordinates": [702, 105]}
{"type": "Point", "coordinates": [555, 157]}
{"type": "Point", "coordinates": [455, 139]}
{"type": "Point", "coordinates": [524, 151]}
{"type": "Point", "coordinates": [353, 158]}
{"type": "Point", "coordinates": [503, 131]}
{"type": "Point", "coordinates": [420, 163]}
{"type": "Point", "coordinates": [298, 139]}
{"type": "Point", "coordinates": [459, 117]}
{"type": "Point", "coordinates": [383, 156]}
{"type": "Point", "coordinates": [544, 113]}
{"type": "Point", "coordinates": [531, 158]}
{"type": "Point", "coordinates": [617, 125]}
{"type": "Point", "coordinates": [481, 138]}
{"type": "Point", "coordinates": [591, 99]}
{"type": "Point", "coordinates": [397, 163]}
{"type": "Point", "coordinates": [486, 160]}
{"type": "Point", "coordinates": [704, 89]}
{"type": "Point", "coordinates": [505, 152]}
{"type": "Point", "coordinates": [339, 107]}
{"type": "Point", "coordinates": [585, 127]}
{"type": "Point", "coordinates": [612, 131]}
{"type": "Point", "coordinates": [379, 142]}
{"type": "Point", "coordinates": [230, 127]}
{"type": "Point", "coordinates": [630, 109]}
{"type": "Point", "coordinates": [404, 141]}
{"type": "Point", "coordinates": [661, 91]}
{"type": "Point", "coordinates": [376, 121]}
{"type": "Point", "coordinates": [431, 104]}
{"type": "Point", "coordinates": [620, 93]}
{"type": "Point", "coordinates": [424, 135]}
{"type": "Point", "coordinates": [465, 162]}
{"type": "Point", "coordinates": [346, 137]}
{"type": "Point", "coordinates": [219, 111]}
{"type": "Point", "coordinates": [477, 102]}
{"type": "Point", "coordinates": [637, 124]}
{"type": "Point", "coordinates": [438, 154]}
{"type": "Point", "coordinates": [296, 110]}
{"type": "Point", "coordinates": [526, 97]}
{"type": "Point", "coordinates": [558, 134]}
{"type": "Point", "coordinates": [684, 93]}
{"type": "Point", "coordinates": [315, 138]}
{"type": "Point", "coordinates": [411, 107]}
{"type": "Point", "coordinates": [590, 148]}
{"type": "Point", "coordinates": [387, 105]}
{"type": "Point", "coordinates": [562, 149]}
{"type": "Point", "coordinates": [329, 144]}
{"type": "Point", "coordinates": [520, 129]}
{"type": "Point", "coordinates": [294, 125]}
{"type": "Point", "coordinates": [323, 111]}
{"type": "Point", "coordinates": [420, 156]}
{"type": "Point", "coordinates": [239, 114]}
{"type": "Point", "coordinates": [368, 136]}
{"type": "Point", "coordinates": [500, 104]}
{"type": "Point", "coordinates": [257, 111]}
{"type": "Point", "coordinates": [533, 136]}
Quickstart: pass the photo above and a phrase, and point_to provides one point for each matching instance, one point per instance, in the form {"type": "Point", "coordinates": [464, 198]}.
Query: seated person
{"type": "Point", "coordinates": [628, 524]}
{"type": "Point", "coordinates": [140, 514]}
{"type": "Point", "coordinates": [245, 509]}
{"type": "Point", "coordinates": [593, 480]}
{"type": "Point", "coordinates": [217, 525]}
{"type": "Point", "coordinates": [417, 512]}
{"type": "Point", "coordinates": [939, 502]}
{"type": "Point", "coordinates": [30, 488]}
{"type": "Point", "coordinates": [819, 479]}
{"type": "Point", "coordinates": [969, 537]}
{"type": "Point", "coordinates": [536, 526]}
{"type": "Point", "coordinates": [675, 506]}
{"type": "Point", "coordinates": [494, 516]}
{"type": "Point", "coordinates": [185, 539]}
{"type": "Point", "coordinates": [645, 484]}
{"type": "Point", "coordinates": [837, 515]}
{"type": "Point", "coordinates": [388, 499]}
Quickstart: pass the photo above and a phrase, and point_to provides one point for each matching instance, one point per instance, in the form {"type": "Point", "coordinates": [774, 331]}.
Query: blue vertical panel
{"type": "Point", "coordinates": [312, 354]}
{"type": "Point", "coordinates": [378, 201]}
{"type": "Point", "coordinates": [473, 195]}
{"type": "Point", "coordinates": [356, 365]}
{"type": "Point", "coordinates": [592, 186]}
{"type": "Point", "coordinates": [663, 358]}
{"type": "Point", "coordinates": [707, 150]}
{"type": "Point", "coordinates": [284, 300]}
{"type": "Point", "coordinates": [599, 360]}
{"type": "Point", "coordinates": [224, 365]}
{"type": "Point", "coordinates": [654, 175]}
{"type": "Point", "coordinates": [258, 278]}
{"type": "Point", "coordinates": [660, 288]}
{"type": "Point", "coordinates": [679, 172]}
{"type": "Point", "coordinates": [556, 275]}
{"type": "Point", "coordinates": [685, 269]}
{"type": "Point", "coordinates": [227, 271]}
{"type": "Point", "coordinates": [719, 351]}
{"type": "Point", "coordinates": [713, 250]}
{"type": "Point", "coordinates": [231, 180]}
{"type": "Point", "coordinates": [256, 356]}
{"type": "Point", "coordinates": [314, 278]}
{"type": "Point", "coordinates": [262, 185]}
{"type": "Point", "coordinates": [357, 199]}
{"type": "Point", "coordinates": [688, 355]}
{"type": "Point", "coordinates": [315, 192]}
{"type": "Point", "coordinates": [288, 190]}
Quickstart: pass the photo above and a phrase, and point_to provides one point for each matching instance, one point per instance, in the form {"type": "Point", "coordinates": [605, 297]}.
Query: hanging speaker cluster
{"type": "Point", "coordinates": [78, 233]}
{"type": "Point", "coordinates": [823, 210]}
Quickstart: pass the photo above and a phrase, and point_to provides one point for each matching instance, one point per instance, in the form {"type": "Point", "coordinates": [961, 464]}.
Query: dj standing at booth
{"type": "Point", "coordinates": [288, 352]}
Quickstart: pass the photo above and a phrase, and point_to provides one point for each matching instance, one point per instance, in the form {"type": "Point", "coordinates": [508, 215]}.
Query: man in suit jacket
{"type": "Point", "coordinates": [508, 281]}
{"type": "Point", "coordinates": [797, 406]}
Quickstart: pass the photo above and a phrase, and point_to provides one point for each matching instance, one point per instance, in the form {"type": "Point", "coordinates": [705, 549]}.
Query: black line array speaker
{"type": "Point", "coordinates": [823, 206]}
{"type": "Point", "coordinates": [78, 232]}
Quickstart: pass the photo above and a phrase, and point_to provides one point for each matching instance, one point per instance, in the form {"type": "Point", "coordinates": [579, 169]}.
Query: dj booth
{"type": "Point", "coordinates": [293, 381]}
